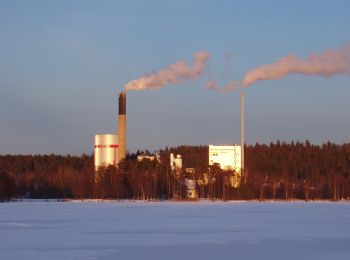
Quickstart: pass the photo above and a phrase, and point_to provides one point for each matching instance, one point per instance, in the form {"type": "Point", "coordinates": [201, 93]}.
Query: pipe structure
{"type": "Point", "coordinates": [242, 137]}
{"type": "Point", "coordinates": [122, 126]}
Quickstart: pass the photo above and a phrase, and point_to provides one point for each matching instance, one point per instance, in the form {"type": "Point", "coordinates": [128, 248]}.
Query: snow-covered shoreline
{"type": "Point", "coordinates": [177, 201]}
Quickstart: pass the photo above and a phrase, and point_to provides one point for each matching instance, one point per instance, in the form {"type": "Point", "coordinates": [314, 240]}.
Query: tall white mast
{"type": "Point", "coordinates": [242, 136]}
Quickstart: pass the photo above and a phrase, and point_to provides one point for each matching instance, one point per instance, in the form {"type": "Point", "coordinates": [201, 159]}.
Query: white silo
{"type": "Point", "coordinates": [106, 150]}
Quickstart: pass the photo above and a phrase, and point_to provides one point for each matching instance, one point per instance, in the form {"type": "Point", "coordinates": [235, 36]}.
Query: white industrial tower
{"type": "Point", "coordinates": [243, 173]}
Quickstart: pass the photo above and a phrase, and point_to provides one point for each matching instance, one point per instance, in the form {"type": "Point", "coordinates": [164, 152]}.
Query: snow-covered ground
{"type": "Point", "coordinates": [172, 230]}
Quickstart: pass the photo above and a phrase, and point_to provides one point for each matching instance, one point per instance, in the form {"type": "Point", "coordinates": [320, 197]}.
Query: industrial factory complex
{"type": "Point", "coordinates": [110, 149]}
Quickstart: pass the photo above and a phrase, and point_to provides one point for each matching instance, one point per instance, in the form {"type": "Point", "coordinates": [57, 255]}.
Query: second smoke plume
{"type": "Point", "coordinates": [328, 63]}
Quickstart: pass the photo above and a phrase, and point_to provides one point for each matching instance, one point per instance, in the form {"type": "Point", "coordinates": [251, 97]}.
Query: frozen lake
{"type": "Point", "coordinates": [169, 230]}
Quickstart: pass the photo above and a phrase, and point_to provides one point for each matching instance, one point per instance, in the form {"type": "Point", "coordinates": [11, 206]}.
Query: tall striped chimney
{"type": "Point", "coordinates": [122, 125]}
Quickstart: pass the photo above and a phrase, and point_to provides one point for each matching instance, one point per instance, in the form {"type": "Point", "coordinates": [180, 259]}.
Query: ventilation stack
{"type": "Point", "coordinates": [122, 125]}
{"type": "Point", "coordinates": [243, 173]}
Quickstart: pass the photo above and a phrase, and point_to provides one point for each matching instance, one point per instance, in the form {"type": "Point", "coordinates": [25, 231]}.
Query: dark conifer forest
{"type": "Point", "coordinates": [281, 171]}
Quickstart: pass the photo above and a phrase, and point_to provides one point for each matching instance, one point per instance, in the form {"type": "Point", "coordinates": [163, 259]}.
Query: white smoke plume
{"type": "Point", "coordinates": [174, 74]}
{"type": "Point", "coordinates": [328, 63]}
{"type": "Point", "coordinates": [211, 85]}
{"type": "Point", "coordinates": [229, 87]}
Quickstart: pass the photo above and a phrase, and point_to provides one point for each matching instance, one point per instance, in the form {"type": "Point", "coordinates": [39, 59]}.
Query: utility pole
{"type": "Point", "coordinates": [243, 174]}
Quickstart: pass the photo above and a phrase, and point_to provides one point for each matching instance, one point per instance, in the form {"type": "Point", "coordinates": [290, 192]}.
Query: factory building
{"type": "Point", "coordinates": [110, 149]}
{"type": "Point", "coordinates": [175, 163]}
{"type": "Point", "coordinates": [228, 156]}
{"type": "Point", "coordinates": [148, 157]}
{"type": "Point", "coordinates": [191, 191]}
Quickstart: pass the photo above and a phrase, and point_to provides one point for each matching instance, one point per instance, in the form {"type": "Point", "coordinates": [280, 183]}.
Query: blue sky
{"type": "Point", "coordinates": [62, 64]}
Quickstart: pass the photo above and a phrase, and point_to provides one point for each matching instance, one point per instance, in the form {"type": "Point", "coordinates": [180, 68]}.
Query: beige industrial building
{"type": "Point", "coordinates": [228, 156]}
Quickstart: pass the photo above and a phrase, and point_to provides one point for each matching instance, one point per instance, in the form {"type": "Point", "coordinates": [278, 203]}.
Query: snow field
{"type": "Point", "coordinates": [174, 230]}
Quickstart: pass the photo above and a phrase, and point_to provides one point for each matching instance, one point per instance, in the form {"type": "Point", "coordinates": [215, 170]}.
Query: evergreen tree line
{"type": "Point", "coordinates": [277, 171]}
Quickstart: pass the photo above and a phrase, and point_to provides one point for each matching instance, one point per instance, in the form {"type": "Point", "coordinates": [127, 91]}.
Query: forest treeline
{"type": "Point", "coordinates": [277, 171]}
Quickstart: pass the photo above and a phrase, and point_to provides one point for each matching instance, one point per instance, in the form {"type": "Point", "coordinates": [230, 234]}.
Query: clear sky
{"type": "Point", "coordinates": [62, 64]}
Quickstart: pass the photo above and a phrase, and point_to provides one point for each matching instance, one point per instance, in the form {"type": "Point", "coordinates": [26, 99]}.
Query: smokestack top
{"type": "Point", "coordinates": [122, 103]}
